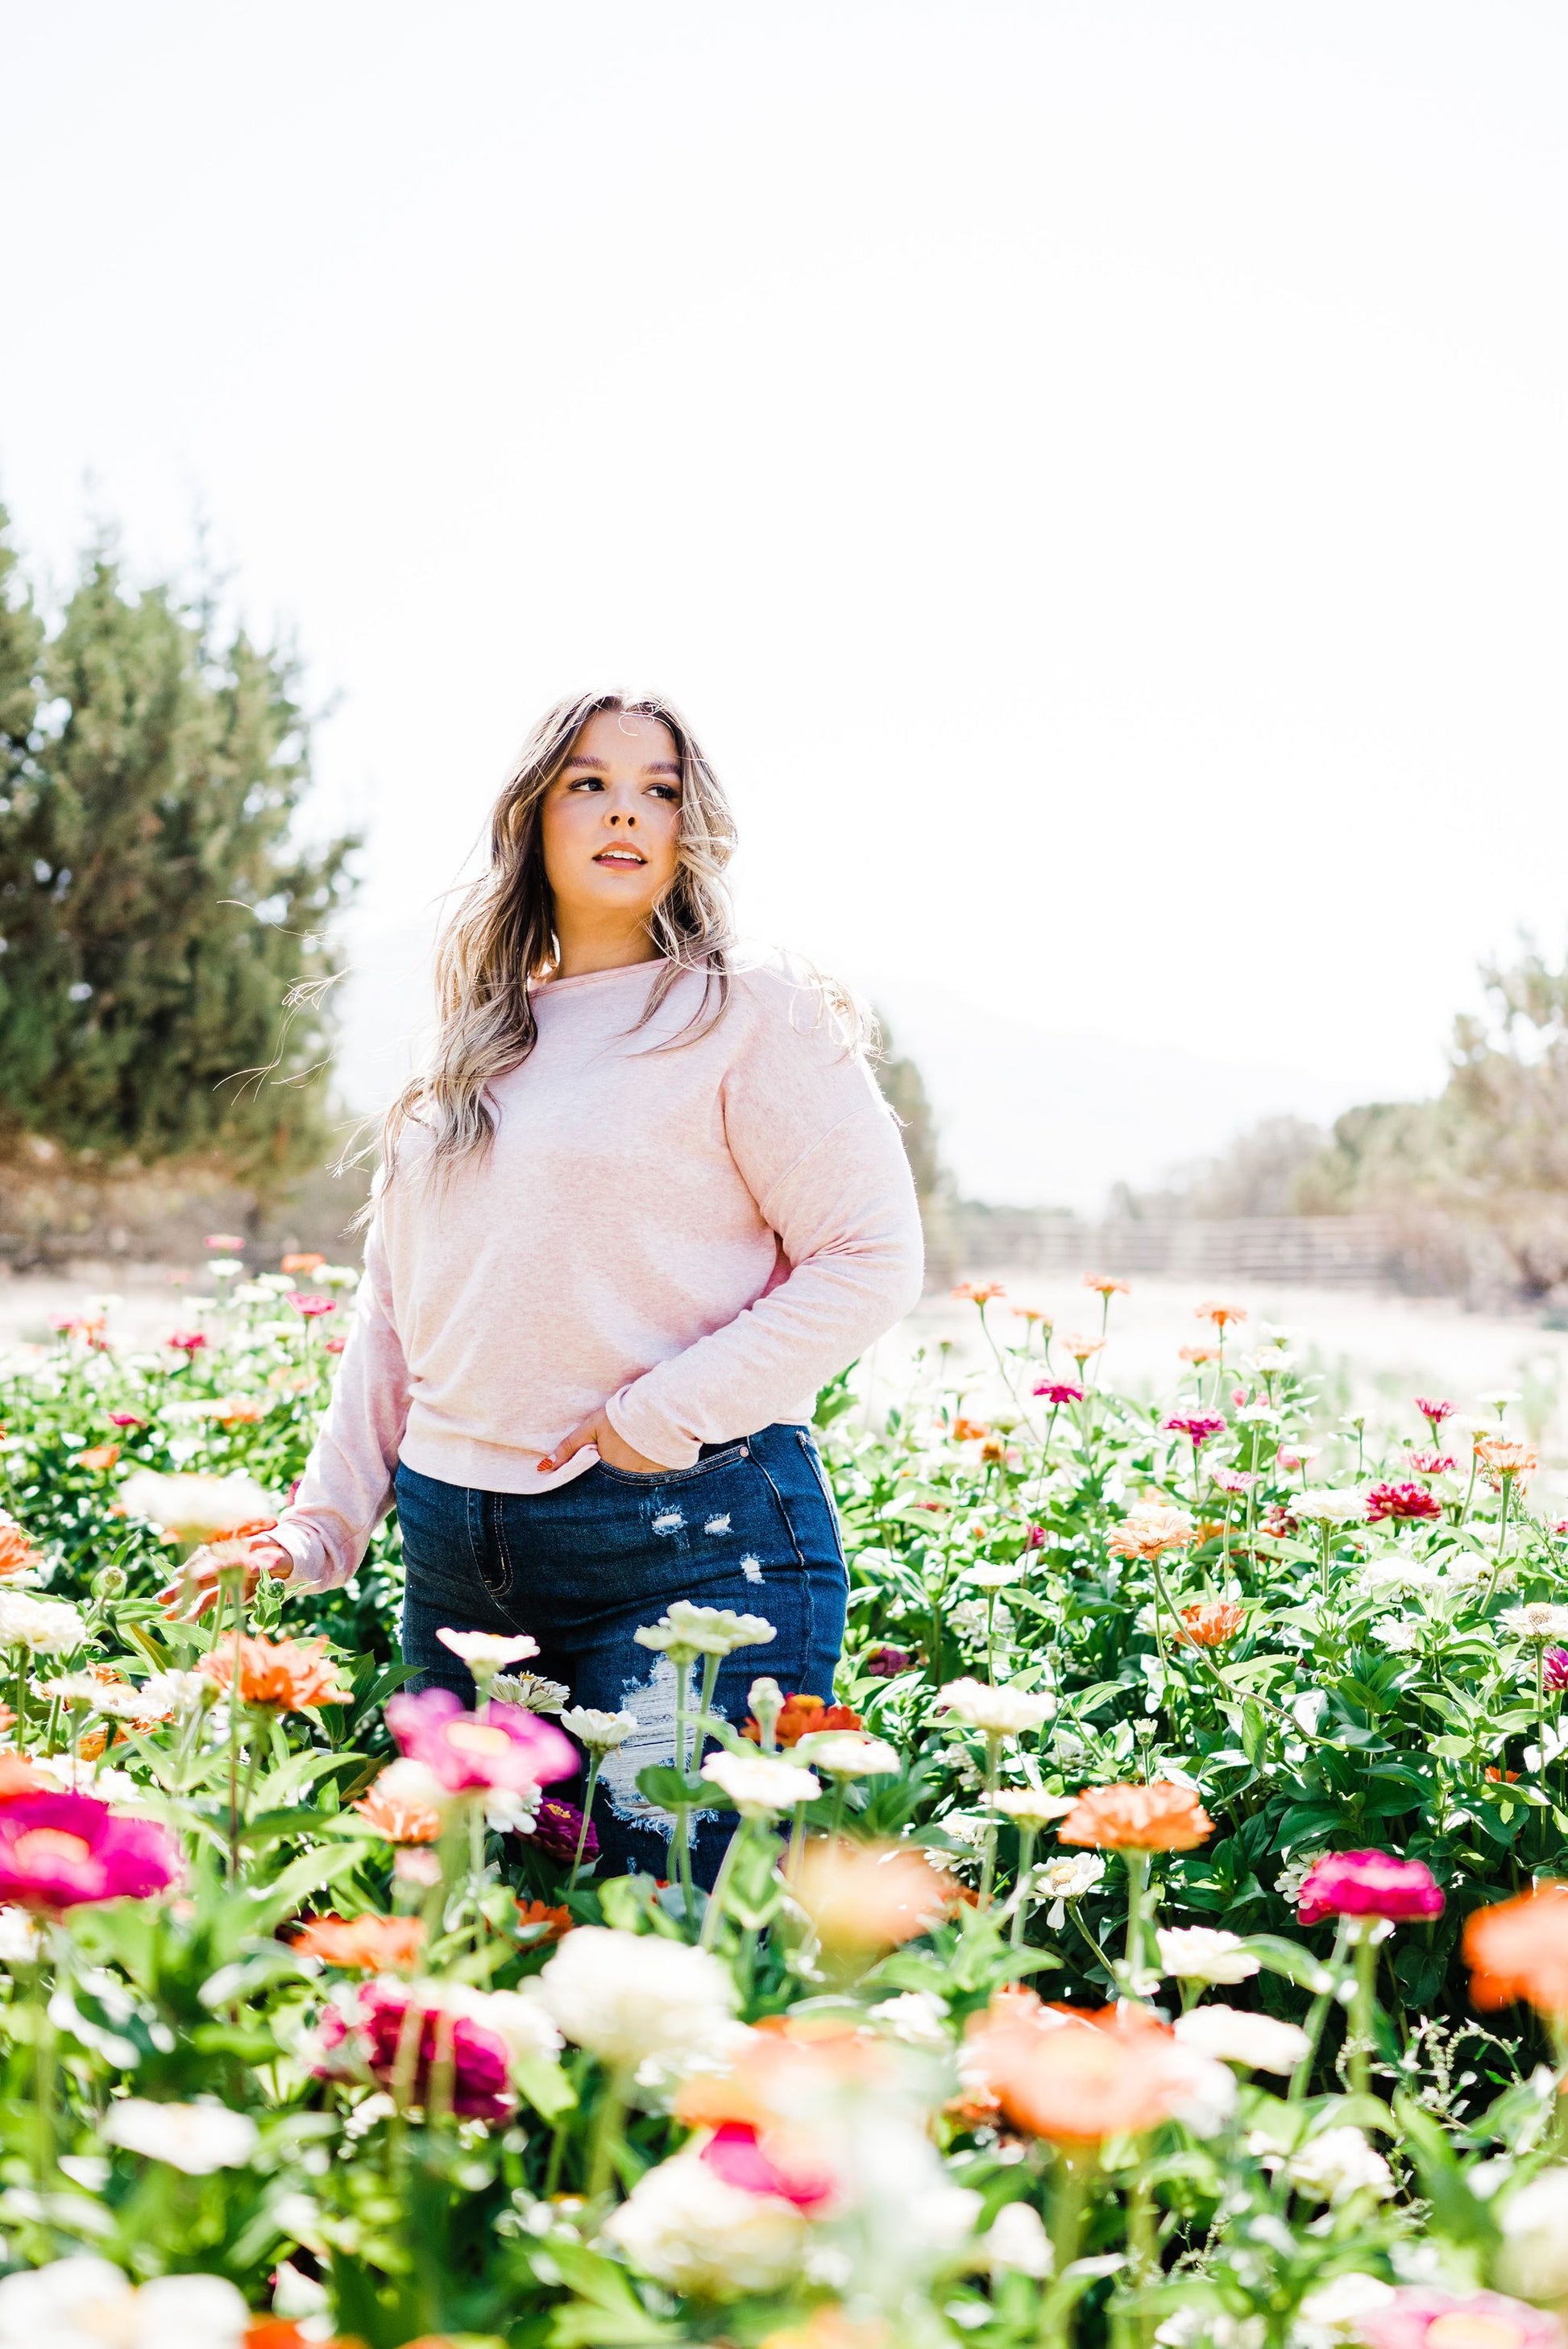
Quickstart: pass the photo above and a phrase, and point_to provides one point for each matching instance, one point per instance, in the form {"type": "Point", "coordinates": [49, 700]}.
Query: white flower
{"type": "Point", "coordinates": [1234, 2037]}
{"type": "Point", "coordinates": [1321, 1506]}
{"type": "Point", "coordinates": [196, 2138]}
{"type": "Point", "coordinates": [1199, 1953]}
{"type": "Point", "coordinates": [487, 1652]}
{"type": "Point", "coordinates": [1534, 2257]}
{"type": "Point", "coordinates": [520, 2021]}
{"type": "Point", "coordinates": [1338, 2164]}
{"type": "Point", "coordinates": [849, 1753]}
{"type": "Point", "coordinates": [685, 1630]}
{"type": "Point", "coordinates": [512, 1810]}
{"type": "Point", "coordinates": [1018, 2240]}
{"type": "Point", "coordinates": [758, 1784]}
{"type": "Point", "coordinates": [1390, 1631]}
{"type": "Point", "coordinates": [994, 1574]}
{"type": "Point", "coordinates": [196, 1508]}
{"type": "Point", "coordinates": [601, 1732]}
{"type": "Point", "coordinates": [1341, 2305]}
{"type": "Point", "coordinates": [1293, 1874]}
{"type": "Point", "coordinates": [689, 2229]}
{"type": "Point", "coordinates": [1208, 2098]}
{"type": "Point", "coordinates": [1061, 1880]}
{"type": "Point", "coordinates": [48, 1626]}
{"type": "Point", "coordinates": [629, 1996]}
{"type": "Point", "coordinates": [1392, 1572]}
{"type": "Point", "coordinates": [915, 2016]}
{"type": "Point", "coordinates": [531, 1689]}
{"type": "Point", "coordinates": [998, 1712]}
{"type": "Point", "coordinates": [21, 1938]}
{"type": "Point", "coordinates": [86, 2304]}
{"type": "Point", "coordinates": [1538, 1621]}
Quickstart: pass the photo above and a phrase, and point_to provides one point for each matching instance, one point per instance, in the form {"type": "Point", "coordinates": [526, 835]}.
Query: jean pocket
{"type": "Point", "coordinates": [726, 1458]}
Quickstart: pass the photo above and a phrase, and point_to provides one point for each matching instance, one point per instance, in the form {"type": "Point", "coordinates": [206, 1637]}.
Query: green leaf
{"type": "Point", "coordinates": [673, 1790]}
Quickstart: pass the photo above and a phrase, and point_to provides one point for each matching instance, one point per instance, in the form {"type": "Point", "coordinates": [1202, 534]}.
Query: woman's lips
{"type": "Point", "coordinates": [620, 856]}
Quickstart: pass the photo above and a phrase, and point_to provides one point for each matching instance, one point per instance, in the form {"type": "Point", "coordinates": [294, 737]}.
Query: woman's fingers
{"type": "Point", "coordinates": [585, 1431]}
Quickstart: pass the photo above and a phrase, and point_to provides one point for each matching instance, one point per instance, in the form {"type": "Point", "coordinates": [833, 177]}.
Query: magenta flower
{"type": "Point", "coordinates": [1034, 1537]}
{"type": "Point", "coordinates": [311, 1304]}
{"type": "Point", "coordinates": [63, 1851]}
{"type": "Point", "coordinates": [370, 2034]}
{"type": "Point", "coordinates": [187, 1342]}
{"type": "Point", "coordinates": [556, 1827]}
{"type": "Point", "coordinates": [1057, 1392]}
{"type": "Point", "coordinates": [512, 1747]}
{"type": "Point", "coordinates": [1406, 2321]}
{"type": "Point", "coordinates": [1433, 1464]}
{"type": "Point", "coordinates": [1367, 1884]}
{"type": "Point", "coordinates": [738, 2155]}
{"type": "Point", "coordinates": [1401, 1500]}
{"type": "Point", "coordinates": [1555, 1668]}
{"type": "Point", "coordinates": [886, 1663]}
{"type": "Point", "coordinates": [1435, 1412]}
{"type": "Point", "coordinates": [1198, 1426]}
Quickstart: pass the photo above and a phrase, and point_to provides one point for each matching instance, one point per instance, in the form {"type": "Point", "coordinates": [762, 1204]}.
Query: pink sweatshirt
{"type": "Point", "coordinates": [696, 1240]}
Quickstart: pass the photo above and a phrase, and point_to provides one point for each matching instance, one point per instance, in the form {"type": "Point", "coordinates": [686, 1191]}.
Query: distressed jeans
{"type": "Point", "coordinates": [751, 1526]}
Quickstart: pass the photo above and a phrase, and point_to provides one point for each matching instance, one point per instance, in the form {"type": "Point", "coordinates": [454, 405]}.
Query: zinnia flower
{"type": "Point", "coordinates": [601, 1732]}
{"type": "Point", "coordinates": [1519, 1949]}
{"type": "Point", "coordinates": [404, 1804]}
{"type": "Point", "coordinates": [1150, 1530]}
{"type": "Point", "coordinates": [1501, 1458]}
{"type": "Point", "coordinates": [1555, 1668]}
{"type": "Point", "coordinates": [627, 1997]}
{"type": "Point", "coordinates": [1401, 1500]}
{"type": "Point", "coordinates": [1433, 1464]}
{"type": "Point", "coordinates": [691, 2229]}
{"type": "Point", "coordinates": [46, 1627]}
{"type": "Point", "coordinates": [802, 1717]}
{"type": "Point", "coordinates": [1156, 1818]}
{"type": "Point", "coordinates": [510, 1748]}
{"type": "Point", "coordinates": [1057, 1392]}
{"type": "Point", "coordinates": [187, 1342]}
{"type": "Point", "coordinates": [758, 1784]}
{"type": "Point", "coordinates": [365, 1945]}
{"type": "Point", "coordinates": [64, 1851]}
{"type": "Point", "coordinates": [1075, 2076]}
{"type": "Point", "coordinates": [541, 1922]}
{"type": "Point", "coordinates": [81, 2300]}
{"type": "Point", "coordinates": [302, 1261]}
{"type": "Point", "coordinates": [1214, 1622]}
{"type": "Point", "coordinates": [1221, 1316]}
{"type": "Point", "coordinates": [195, 2138]}
{"type": "Point", "coordinates": [1203, 1953]}
{"type": "Point", "coordinates": [1104, 1285]}
{"type": "Point", "coordinates": [686, 1629]}
{"type": "Point", "coordinates": [1198, 1426]}
{"type": "Point", "coordinates": [285, 1674]}
{"type": "Point", "coordinates": [867, 1896]}
{"type": "Point", "coordinates": [1368, 1884]}
{"type": "Point", "coordinates": [981, 1292]}
{"type": "Point", "coordinates": [996, 1711]}
{"type": "Point", "coordinates": [1338, 2164]}
{"type": "Point", "coordinates": [1257, 2041]}
{"type": "Point", "coordinates": [198, 1508]}
{"type": "Point", "coordinates": [1539, 1620]}
{"type": "Point", "coordinates": [1434, 1413]}
{"type": "Point", "coordinates": [557, 1825]}
{"type": "Point", "coordinates": [418, 2032]}
{"type": "Point", "coordinates": [1420, 2317]}
{"type": "Point", "coordinates": [882, 1663]}
{"type": "Point", "coordinates": [309, 1306]}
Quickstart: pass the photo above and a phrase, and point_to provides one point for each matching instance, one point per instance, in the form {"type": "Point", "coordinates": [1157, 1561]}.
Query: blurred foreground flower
{"type": "Point", "coordinates": [689, 2229]}
{"type": "Point", "coordinates": [195, 1508]}
{"type": "Point", "coordinates": [195, 2138]}
{"type": "Point", "coordinates": [862, 1897]}
{"type": "Point", "coordinates": [1421, 2318]}
{"type": "Point", "coordinates": [287, 1675]}
{"type": "Point", "coordinates": [365, 1945]}
{"type": "Point", "coordinates": [511, 1748]}
{"type": "Point", "coordinates": [435, 2040]}
{"type": "Point", "coordinates": [79, 2303]}
{"type": "Point", "coordinates": [59, 1852]}
{"type": "Point", "coordinates": [1518, 1949]}
{"type": "Point", "coordinates": [1075, 2076]}
{"type": "Point", "coordinates": [627, 1997]}
{"type": "Point", "coordinates": [404, 1804]}
{"type": "Point", "coordinates": [1156, 1818]}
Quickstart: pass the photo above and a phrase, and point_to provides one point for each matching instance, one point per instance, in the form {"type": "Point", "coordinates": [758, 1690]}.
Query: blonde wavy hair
{"type": "Point", "coordinates": [503, 935]}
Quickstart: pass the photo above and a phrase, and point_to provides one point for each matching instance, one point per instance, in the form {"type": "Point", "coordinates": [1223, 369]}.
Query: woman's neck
{"type": "Point", "coordinates": [581, 954]}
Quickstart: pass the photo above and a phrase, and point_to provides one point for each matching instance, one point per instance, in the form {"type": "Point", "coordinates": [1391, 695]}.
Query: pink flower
{"type": "Point", "coordinates": [224, 1243]}
{"type": "Point", "coordinates": [187, 1342]}
{"type": "Point", "coordinates": [1237, 1480]}
{"type": "Point", "coordinates": [1477, 2319]}
{"type": "Point", "coordinates": [742, 2157]}
{"type": "Point", "coordinates": [1035, 1538]}
{"type": "Point", "coordinates": [1434, 1413]}
{"type": "Point", "coordinates": [886, 1663]}
{"type": "Point", "coordinates": [63, 1851]}
{"type": "Point", "coordinates": [1367, 1884]}
{"type": "Point", "coordinates": [1432, 1464]}
{"type": "Point", "coordinates": [1198, 1426]}
{"type": "Point", "coordinates": [370, 2033]}
{"type": "Point", "coordinates": [556, 1827]}
{"type": "Point", "coordinates": [125, 1419]}
{"type": "Point", "coordinates": [1057, 1392]}
{"type": "Point", "coordinates": [1555, 1668]}
{"type": "Point", "coordinates": [310, 1303]}
{"type": "Point", "coordinates": [1399, 1500]}
{"type": "Point", "coordinates": [512, 1747]}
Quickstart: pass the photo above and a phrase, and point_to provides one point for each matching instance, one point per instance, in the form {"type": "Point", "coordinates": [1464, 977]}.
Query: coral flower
{"type": "Point", "coordinates": [1057, 1392]}
{"type": "Point", "coordinates": [64, 1851]}
{"type": "Point", "coordinates": [310, 1305]}
{"type": "Point", "coordinates": [98, 1456]}
{"type": "Point", "coordinates": [367, 1944]}
{"type": "Point", "coordinates": [1501, 1457]}
{"type": "Point", "coordinates": [768, 2164]}
{"type": "Point", "coordinates": [1156, 1818]}
{"type": "Point", "coordinates": [287, 1673]}
{"type": "Point", "coordinates": [978, 1292]}
{"type": "Point", "coordinates": [17, 1554]}
{"type": "Point", "coordinates": [1519, 1949]}
{"type": "Point", "coordinates": [543, 1923]}
{"type": "Point", "coordinates": [1081, 1348]}
{"type": "Point", "coordinates": [389, 2040]}
{"type": "Point", "coordinates": [1367, 1884]}
{"type": "Point", "coordinates": [1221, 1316]}
{"type": "Point", "coordinates": [512, 1747]}
{"type": "Point", "coordinates": [1401, 1500]}
{"type": "Point", "coordinates": [1149, 1531]}
{"type": "Point", "coordinates": [1198, 1354]}
{"type": "Point", "coordinates": [866, 1896]}
{"type": "Point", "coordinates": [1104, 1285]}
{"type": "Point", "coordinates": [969, 1430]}
{"type": "Point", "coordinates": [804, 1716]}
{"type": "Point", "coordinates": [1074, 2077]}
{"type": "Point", "coordinates": [187, 1342]}
{"type": "Point", "coordinates": [401, 1813]}
{"type": "Point", "coordinates": [239, 1410]}
{"type": "Point", "coordinates": [1214, 1622]}
{"type": "Point", "coordinates": [1420, 2317]}
{"type": "Point", "coordinates": [302, 1260]}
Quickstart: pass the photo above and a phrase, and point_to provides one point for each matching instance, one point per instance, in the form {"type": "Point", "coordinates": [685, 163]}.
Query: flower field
{"type": "Point", "coordinates": [1157, 1941]}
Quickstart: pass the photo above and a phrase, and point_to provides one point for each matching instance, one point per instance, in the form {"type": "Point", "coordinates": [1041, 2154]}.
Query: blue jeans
{"type": "Point", "coordinates": [751, 1526]}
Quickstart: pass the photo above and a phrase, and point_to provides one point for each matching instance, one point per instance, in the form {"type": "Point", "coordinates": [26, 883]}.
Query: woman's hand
{"type": "Point", "coordinates": [612, 1448]}
{"type": "Point", "coordinates": [192, 1591]}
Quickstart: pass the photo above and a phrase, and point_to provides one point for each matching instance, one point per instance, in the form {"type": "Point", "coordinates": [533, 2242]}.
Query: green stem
{"type": "Point", "coordinates": [1363, 2007]}
{"type": "Point", "coordinates": [988, 1866]}
{"type": "Point", "coordinates": [1021, 1902]}
{"type": "Point", "coordinates": [594, 1762]}
{"type": "Point", "coordinates": [43, 2075]}
{"type": "Point", "coordinates": [1317, 2015]}
{"type": "Point", "coordinates": [714, 1912]}
{"type": "Point", "coordinates": [1137, 1866]}
{"type": "Point", "coordinates": [607, 2131]}
{"type": "Point", "coordinates": [1501, 1542]}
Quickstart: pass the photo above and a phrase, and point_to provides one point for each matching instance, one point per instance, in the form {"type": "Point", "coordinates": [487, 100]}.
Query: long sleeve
{"type": "Point", "coordinates": [347, 1488]}
{"type": "Point", "coordinates": [821, 1156]}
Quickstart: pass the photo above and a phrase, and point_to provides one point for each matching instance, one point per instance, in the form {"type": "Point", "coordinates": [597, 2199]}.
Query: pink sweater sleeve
{"type": "Point", "coordinates": [347, 1488]}
{"type": "Point", "coordinates": [822, 1156]}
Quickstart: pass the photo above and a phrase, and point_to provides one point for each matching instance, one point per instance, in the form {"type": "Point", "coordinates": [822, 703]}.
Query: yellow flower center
{"type": "Point", "coordinates": [1461, 2330]}
{"type": "Point", "coordinates": [474, 1737]}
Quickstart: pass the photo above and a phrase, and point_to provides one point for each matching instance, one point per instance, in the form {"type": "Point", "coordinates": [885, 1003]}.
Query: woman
{"type": "Point", "coordinates": [644, 1202]}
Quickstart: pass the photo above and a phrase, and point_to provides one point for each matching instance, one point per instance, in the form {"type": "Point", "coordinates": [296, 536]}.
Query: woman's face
{"type": "Point", "coordinates": [610, 819]}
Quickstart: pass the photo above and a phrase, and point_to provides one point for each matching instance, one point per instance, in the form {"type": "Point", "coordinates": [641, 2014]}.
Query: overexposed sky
{"type": "Point", "coordinates": [1094, 473]}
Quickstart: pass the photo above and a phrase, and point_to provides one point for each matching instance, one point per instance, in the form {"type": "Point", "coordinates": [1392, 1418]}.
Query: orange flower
{"type": "Point", "coordinates": [543, 1923]}
{"type": "Point", "coordinates": [287, 1673]}
{"type": "Point", "coordinates": [1074, 2074]}
{"type": "Point", "coordinates": [1198, 1353]}
{"type": "Point", "coordinates": [1220, 1315]}
{"type": "Point", "coordinates": [1501, 1777]}
{"type": "Point", "coordinates": [1105, 1286]}
{"type": "Point", "coordinates": [393, 1816]}
{"type": "Point", "coordinates": [100, 1455]}
{"type": "Point", "coordinates": [1081, 1348]}
{"type": "Point", "coordinates": [789, 2063]}
{"type": "Point", "coordinates": [1149, 1531]}
{"type": "Point", "coordinates": [868, 1896]}
{"type": "Point", "coordinates": [802, 1717]}
{"type": "Point", "coordinates": [238, 1411]}
{"type": "Point", "coordinates": [1212, 1623]}
{"type": "Point", "coordinates": [92, 1744]}
{"type": "Point", "coordinates": [304, 1260]}
{"type": "Point", "coordinates": [1158, 1817]}
{"type": "Point", "coordinates": [1501, 1457]}
{"type": "Point", "coordinates": [1519, 1949]}
{"type": "Point", "coordinates": [1034, 1314]}
{"type": "Point", "coordinates": [969, 1430]}
{"type": "Point", "coordinates": [17, 1777]}
{"type": "Point", "coordinates": [828, 2327]}
{"type": "Point", "coordinates": [367, 1944]}
{"type": "Point", "coordinates": [979, 1292]}
{"type": "Point", "coordinates": [17, 1550]}
{"type": "Point", "coordinates": [282, 2333]}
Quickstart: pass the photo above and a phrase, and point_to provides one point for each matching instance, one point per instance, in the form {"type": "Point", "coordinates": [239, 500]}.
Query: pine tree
{"type": "Point", "coordinates": [156, 907]}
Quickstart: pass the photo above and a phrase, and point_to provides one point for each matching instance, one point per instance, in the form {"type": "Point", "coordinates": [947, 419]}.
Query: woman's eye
{"type": "Point", "coordinates": [586, 783]}
{"type": "Point", "coordinates": [667, 791]}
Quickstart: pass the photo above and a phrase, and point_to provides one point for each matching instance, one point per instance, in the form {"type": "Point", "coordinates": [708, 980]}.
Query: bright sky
{"type": "Point", "coordinates": [1094, 473]}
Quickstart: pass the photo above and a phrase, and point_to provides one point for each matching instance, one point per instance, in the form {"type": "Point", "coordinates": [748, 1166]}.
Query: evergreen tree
{"type": "Point", "coordinates": [903, 1087]}
{"type": "Point", "coordinates": [157, 911]}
